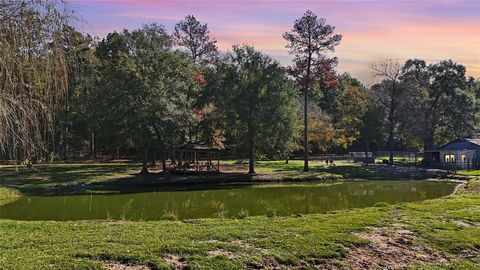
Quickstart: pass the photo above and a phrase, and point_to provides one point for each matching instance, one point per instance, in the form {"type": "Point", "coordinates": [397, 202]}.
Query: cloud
{"type": "Point", "coordinates": [431, 30]}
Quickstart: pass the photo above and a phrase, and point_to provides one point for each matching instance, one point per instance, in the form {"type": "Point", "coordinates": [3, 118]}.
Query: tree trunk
{"type": "Point", "coordinates": [91, 145]}
{"type": "Point", "coordinates": [391, 119]}
{"type": "Point", "coordinates": [428, 136]}
{"type": "Point", "coordinates": [366, 154]}
{"type": "Point", "coordinates": [164, 160]}
{"type": "Point", "coordinates": [144, 163]}
{"type": "Point", "coordinates": [95, 145]}
{"type": "Point", "coordinates": [251, 161]}
{"type": "Point", "coordinates": [154, 161]}
{"type": "Point", "coordinates": [305, 117]}
{"type": "Point", "coordinates": [65, 132]}
{"type": "Point", "coordinates": [65, 144]}
{"type": "Point", "coordinates": [164, 165]}
{"type": "Point", "coordinates": [390, 143]}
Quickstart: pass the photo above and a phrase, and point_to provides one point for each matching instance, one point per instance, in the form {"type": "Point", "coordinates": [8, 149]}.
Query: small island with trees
{"type": "Point", "coordinates": [151, 148]}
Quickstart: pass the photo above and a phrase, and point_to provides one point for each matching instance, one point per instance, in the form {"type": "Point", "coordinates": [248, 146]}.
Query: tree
{"type": "Point", "coordinates": [143, 83]}
{"type": "Point", "coordinates": [440, 99]}
{"type": "Point", "coordinates": [33, 75]}
{"type": "Point", "coordinates": [321, 131]}
{"type": "Point", "coordinates": [473, 89]}
{"type": "Point", "coordinates": [372, 127]}
{"type": "Point", "coordinates": [194, 38]}
{"type": "Point", "coordinates": [309, 40]}
{"type": "Point", "coordinates": [350, 111]}
{"type": "Point", "coordinates": [73, 125]}
{"type": "Point", "coordinates": [389, 93]}
{"type": "Point", "coordinates": [259, 104]}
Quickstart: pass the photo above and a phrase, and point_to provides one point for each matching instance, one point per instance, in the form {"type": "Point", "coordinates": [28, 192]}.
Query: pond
{"type": "Point", "coordinates": [269, 199]}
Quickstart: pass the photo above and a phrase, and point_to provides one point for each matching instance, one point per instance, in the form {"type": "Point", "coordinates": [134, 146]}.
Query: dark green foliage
{"type": "Point", "coordinates": [143, 86]}
{"type": "Point", "coordinates": [441, 107]}
{"type": "Point", "coordinates": [258, 102]}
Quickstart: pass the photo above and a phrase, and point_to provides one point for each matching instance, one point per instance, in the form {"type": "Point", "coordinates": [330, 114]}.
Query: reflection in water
{"type": "Point", "coordinates": [282, 199]}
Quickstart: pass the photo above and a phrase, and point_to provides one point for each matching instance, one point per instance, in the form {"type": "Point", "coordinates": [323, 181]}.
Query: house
{"type": "Point", "coordinates": [457, 154]}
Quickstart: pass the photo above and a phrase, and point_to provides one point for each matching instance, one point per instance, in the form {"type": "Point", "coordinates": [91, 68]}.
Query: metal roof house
{"type": "Point", "coordinates": [457, 154]}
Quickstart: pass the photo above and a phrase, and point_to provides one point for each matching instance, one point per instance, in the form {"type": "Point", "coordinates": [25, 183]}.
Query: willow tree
{"type": "Point", "coordinates": [309, 41]}
{"type": "Point", "coordinates": [33, 74]}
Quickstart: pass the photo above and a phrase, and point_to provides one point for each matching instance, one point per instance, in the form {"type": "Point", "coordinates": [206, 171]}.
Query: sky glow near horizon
{"type": "Point", "coordinates": [372, 30]}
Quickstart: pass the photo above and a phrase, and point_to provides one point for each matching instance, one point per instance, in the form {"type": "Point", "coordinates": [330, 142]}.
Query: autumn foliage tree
{"type": "Point", "coordinates": [194, 38]}
{"type": "Point", "coordinates": [309, 41]}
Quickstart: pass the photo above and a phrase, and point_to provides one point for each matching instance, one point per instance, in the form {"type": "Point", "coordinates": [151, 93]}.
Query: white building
{"type": "Point", "coordinates": [458, 154]}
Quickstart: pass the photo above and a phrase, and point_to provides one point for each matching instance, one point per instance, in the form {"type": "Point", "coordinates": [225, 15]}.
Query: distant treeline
{"type": "Point", "coordinates": [141, 93]}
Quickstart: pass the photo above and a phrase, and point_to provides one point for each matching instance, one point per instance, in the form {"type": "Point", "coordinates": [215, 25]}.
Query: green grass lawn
{"type": "Point", "coordinates": [56, 179]}
{"type": "Point", "coordinates": [51, 176]}
{"type": "Point", "coordinates": [469, 172]}
{"type": "Point", "coordinates": [318, 170]}
{"type": "Point", "coordinates": [321, 171]}
{"type": "Point", "coordinates": [448, 225]}
{"type": "Point", "coordinates": [8, 194]}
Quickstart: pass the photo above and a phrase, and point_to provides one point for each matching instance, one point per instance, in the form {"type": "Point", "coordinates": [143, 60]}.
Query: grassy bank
{"type": "Point", "coordinates": [55, 179]}
{"type": "Point", "coordinates": [50, 178]}
{"type": "Point", "coordinates": [436, 234]}
{"type": "Point", "coordinates": [8, 194]}
{"type": "Point", "coordinates": [469, 172]}
{"type": "Point", "coordinates": [444, 234]}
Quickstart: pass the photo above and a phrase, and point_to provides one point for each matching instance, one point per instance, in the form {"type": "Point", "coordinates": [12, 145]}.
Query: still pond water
{"type": "Point", "coordinates": [281, 199]}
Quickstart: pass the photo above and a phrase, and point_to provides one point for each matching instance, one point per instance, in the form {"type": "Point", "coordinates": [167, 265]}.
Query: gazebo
{"type": "Point", "coordinates": [193, 157]}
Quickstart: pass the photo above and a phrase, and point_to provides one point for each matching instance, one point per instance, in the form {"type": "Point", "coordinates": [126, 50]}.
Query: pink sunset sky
{"type": "Point", "coordinates": [372, 30]}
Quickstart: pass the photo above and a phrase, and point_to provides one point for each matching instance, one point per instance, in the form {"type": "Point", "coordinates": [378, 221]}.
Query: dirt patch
{"type": "Point", "coordinates": [245, 245]}
{"type": "Point", "coordinates": [468, 253]}
{"type": "Point", "coordinates": [221, 252]}
{"type": "Point", "coordinates": [266, 263]}
{"type": "Point", "coordinates": [396, 249]}
{"type": "Point", "coordinates": [176, 261]}
{"type": "Point", "coordinates": [388, 248]}
{"type": "Point", "coordinates": [112, 265]}
{"type": "Point", "coordinates": [461, 223]}
{"type": "Point", "coordinates": [464, 224]}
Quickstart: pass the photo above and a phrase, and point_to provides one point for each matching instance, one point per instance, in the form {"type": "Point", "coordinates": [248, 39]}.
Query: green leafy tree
{"type": "Point", "coordinates": [309, 40]}
{"type": "Point", "coordinates": [73, 126]}
{"type": "Point", "coordinates": [373, 125]}
{"type": "Point", "coordinates": [440, 99]}
{"type": "Point", "coordinates": [194, 38]}
{"type": "Point", "coordinates": [350, 111]}
{"type": "Point", "coordinates": [259, 104]}
{"type": "Point", "coordinates": [145, 81]}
